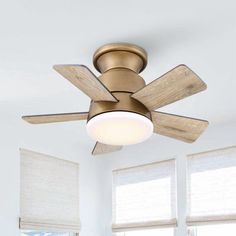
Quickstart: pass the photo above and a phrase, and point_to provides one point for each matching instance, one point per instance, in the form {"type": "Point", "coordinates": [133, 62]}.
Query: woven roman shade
{"type": "Point", "coordinates": [144, 197]}
{"type": "Point", "coordinates": [212, 187]}
{"type": "Point", "coordinates": [49, 193]}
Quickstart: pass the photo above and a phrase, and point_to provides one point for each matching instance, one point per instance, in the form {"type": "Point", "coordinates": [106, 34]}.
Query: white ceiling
{"type": "Point", "coordinates": [34, 35]}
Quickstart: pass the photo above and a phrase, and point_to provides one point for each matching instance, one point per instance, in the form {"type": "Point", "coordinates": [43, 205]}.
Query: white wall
{"type": "Point", "coordinates": [70, 141]}
{"type": "Point", "coordinates": [159, 148]}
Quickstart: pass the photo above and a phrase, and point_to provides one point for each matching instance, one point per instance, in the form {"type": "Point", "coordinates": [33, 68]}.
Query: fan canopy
{"type": "Point", "coordinates": [120, 55]}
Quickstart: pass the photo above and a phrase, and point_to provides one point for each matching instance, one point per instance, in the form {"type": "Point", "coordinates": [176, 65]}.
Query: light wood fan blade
{"type": "Point", "coordinates": [179, 127]}
{"type": "Point", "coordinates": [85, 80]}
{"type": "Point", "coordinates": [51, 118]}
{"type": "Point", "coordinates": [175, 85]}
{"type": "Point", "coordinates": [101, 148]}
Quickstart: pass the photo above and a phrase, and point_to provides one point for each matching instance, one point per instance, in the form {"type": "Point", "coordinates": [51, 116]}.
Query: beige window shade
{"type": "Point", "coordinates": [212, 187]}
{"type": "Point", "coordinates": [49, 193]}
{"type": "Point", "coordinates": [144, 197]}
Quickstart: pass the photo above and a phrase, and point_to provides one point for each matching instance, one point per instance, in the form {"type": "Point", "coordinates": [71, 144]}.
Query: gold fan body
{"type": "Point", "coordinates": [120, 65]}
{"type": "Point", "coordinates": [121, 88]}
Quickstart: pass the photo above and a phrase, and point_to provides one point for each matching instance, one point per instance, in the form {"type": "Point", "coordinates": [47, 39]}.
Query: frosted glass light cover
{"type": "Point", "coordinates": [119, 128]}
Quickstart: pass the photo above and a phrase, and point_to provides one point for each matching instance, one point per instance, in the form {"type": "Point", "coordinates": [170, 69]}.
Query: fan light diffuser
{"type": "Point", "coordinates": [119, 128]}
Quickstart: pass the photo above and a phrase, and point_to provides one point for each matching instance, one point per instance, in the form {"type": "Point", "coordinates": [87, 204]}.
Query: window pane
{"type": "Point", "coordinates": [215, 230]}
{"type": "Point", "coordinates": [210, 190]}
{"type": "Point", "coordinates": [49, 193]}
{"type": "Point", "coordinates": [151, 232]}
{"type": "Point", "coordinates": [144, 193]}
{"type": "Point", "coordinates": [40, 233]}
{"type": "Point", "coordinates": [212, 183]}
{"type": "Point", "coordinates": [133, 202]}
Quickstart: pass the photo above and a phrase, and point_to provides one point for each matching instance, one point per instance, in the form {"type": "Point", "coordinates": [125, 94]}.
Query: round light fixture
{"type": "Point", "coordinates": [119, 128]}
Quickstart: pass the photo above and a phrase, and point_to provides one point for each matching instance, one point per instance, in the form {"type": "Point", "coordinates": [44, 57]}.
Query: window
{"type": "Point", "coordinates": [214, 230]}
{"type": "Point", "coordinates": [144, 197]}
{"type": "Point", "coordinates": [40, 233]}
{"type": "Point", "coordinates": [212, 192]}
{"type": "Point", "coordinates": [148, 232]}
{"type": "Point", "coordinates": [49, 195]}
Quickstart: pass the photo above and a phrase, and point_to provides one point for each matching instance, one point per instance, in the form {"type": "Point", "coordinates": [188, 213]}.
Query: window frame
{"type": "Point", "coordinates": [223, 154]}
{"type": "Point", "coordinates": [193, 228]}
{"type": "Point", "coordinates": [175, 186]}
{"type": "Point", "coordinates": [29, 159]}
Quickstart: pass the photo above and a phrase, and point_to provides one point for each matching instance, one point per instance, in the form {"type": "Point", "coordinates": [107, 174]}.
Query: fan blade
{"type": "Point", "coordinates": [175, 85]}
{"type": "Point", "coordinates": [101, 148]}
{"type": "Point", "coordinates": [50, 118]}
{"type": "Point", "coordinates": [179, 127]}
{"type": "Point", "coordinates": [85, 80]}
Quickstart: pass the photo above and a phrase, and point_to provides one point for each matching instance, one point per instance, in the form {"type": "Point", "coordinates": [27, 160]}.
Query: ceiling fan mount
{"type": "Point", "coordinates": [120, 55]}
{"type": "Point", "coordinates": [122, 108]}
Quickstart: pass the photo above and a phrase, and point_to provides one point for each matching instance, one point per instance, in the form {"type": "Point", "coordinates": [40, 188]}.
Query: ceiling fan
{"type": "Point", "coordinates": [122, 109]}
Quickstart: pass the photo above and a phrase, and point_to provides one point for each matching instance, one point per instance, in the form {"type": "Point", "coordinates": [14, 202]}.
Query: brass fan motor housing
{"type": "Point", "coordinates": [122, 80]}
{"type": "Point", "coordinates": [120, 65]}
{"type": "Point", "coordinates": [125, 103]}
